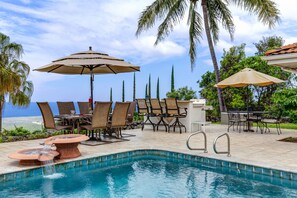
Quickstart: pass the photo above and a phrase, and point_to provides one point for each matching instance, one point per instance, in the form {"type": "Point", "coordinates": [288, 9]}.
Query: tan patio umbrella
{"type": "Point", "coordinates": [247, 77]}
{"type": "Point", "coordinates": [89, 62]}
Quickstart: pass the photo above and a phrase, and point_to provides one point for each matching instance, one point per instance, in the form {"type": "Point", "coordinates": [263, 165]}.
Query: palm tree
{"type": "Point", "coordinates": [13, 75]}
{"type": "Point", "coordinates": [214, 12]}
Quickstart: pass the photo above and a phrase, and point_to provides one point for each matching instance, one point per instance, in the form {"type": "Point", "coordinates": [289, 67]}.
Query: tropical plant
{"type": "Point", "coordinates": [145, 92]}
{"type": "Point", "coordinates": [267, 43]}
{"type": "Point", "coordinates": [183, 93]}
{"type": "Point", "coordinates": [215, 12]}
{"type": "Point", "coordinates": [172, 79]}
{"type": "Point", "coordinates": [123, 91]}
{"type": "Point", "coordinates": [232, 62]}
{"type": "Point", "coordinates": [158, 89]}
{"type": "Point", "coordinates": [13, 75]}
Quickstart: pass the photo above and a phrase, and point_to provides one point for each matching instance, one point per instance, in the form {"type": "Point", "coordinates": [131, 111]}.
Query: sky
{"type": "Point", "coordinates": [51, 29]}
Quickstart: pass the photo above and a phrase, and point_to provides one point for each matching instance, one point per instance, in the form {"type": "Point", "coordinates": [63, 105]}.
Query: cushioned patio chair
{"type": "Point", "coordinates": [119, 118]}
{"type": "Point", "coordinates": [99, 120]}
{"type": "Point", "coordinates": [174, 111]}
{"type": "Point", "coordinates": [48, 119]}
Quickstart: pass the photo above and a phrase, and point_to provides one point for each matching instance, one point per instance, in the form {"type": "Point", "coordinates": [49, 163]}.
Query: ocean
{"type": "Point", "coordinates": [31, 110]}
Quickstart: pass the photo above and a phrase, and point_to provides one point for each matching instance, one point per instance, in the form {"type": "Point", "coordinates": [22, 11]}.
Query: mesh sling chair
{"type": "Point", "coordinates": [99, 120]}
{"type": "Point", "coordinates": [157, 111]}
{"type": "Point", "coordinates": [65, 109]}
{"type": "Point", "coordinates": [119, 118]}
{"type": "Point", "coordinates": [143, 110]}
{"type": "Point", "coordinates": [173, 110]}
{"type": "Point", "coordinates": [48, 118]}
{"type": "Point", "coordinates": [83, 107]}
{"type": "Point", "coordinates": [130, 117]}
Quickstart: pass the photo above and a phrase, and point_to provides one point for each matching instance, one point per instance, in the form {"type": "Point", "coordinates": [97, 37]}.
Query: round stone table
{"type": "Point", "coordinates": [67, 144]}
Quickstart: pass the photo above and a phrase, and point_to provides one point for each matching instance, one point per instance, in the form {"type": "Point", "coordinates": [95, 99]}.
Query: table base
{"type": "Point", "coordinates": [68, 150]}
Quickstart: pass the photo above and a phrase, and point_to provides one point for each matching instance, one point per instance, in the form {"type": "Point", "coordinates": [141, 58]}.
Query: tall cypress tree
{"type": "Point", "coordinates": [123, 92]}
{"type": "Point", "coordinates": [110, 95]}
{"type": "Point", "coordinates": [134, 87]}
{"type": "Point", "coordinates": [158, 89]}
{"type": "Point", "coordinates": [172, 79]}
{"type": "Point", "coordinates": [149, 87]}
{"type": "Point", "coordinates": [145, 93]}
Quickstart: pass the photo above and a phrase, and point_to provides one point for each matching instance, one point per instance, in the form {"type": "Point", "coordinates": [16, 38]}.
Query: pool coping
{"type": "Point", "coordinates": [203, 160]}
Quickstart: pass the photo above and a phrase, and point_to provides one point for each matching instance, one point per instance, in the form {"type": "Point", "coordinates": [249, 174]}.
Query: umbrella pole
{"type": "Point", "coordinates": [91, 84]}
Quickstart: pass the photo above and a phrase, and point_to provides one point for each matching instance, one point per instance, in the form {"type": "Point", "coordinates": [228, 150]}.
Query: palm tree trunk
{"type": "Point", "coordinates": [212, 53]}
{"type": "Point", "coordinates": [1, 109]}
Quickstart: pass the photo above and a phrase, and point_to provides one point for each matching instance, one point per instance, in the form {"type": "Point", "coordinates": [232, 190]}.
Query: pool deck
{"type": "Point", "coordinates": [246, 147]}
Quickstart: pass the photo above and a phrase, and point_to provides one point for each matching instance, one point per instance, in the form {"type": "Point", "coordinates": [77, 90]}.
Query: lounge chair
{"type": "Point", "coordinates": [99, 120]}
{"type": "Point", "coordinates": [119, 118]}
{"type": "Point", "coordinates": [48, 118]}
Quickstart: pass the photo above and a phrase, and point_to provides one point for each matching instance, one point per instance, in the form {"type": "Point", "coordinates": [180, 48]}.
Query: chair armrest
{"type": "Point", "coordinates": [185, 110]}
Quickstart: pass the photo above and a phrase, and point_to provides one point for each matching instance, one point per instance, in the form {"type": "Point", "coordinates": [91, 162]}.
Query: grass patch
{"type": "Point", "coordinates": [282, 125]}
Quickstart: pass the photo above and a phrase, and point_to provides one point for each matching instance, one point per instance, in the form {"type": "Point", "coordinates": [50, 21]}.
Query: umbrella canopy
{"type": "Point", "coordinates": [88, 62]}
{"type": "Point", "coordinates": [248, 77]}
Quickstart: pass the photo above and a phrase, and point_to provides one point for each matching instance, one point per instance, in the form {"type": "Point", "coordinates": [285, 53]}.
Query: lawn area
{"type": "Point", "coordinates": [282, 125]}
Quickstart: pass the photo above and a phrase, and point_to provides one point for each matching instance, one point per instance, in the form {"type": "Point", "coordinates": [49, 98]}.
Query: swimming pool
{"type": "Point", "coordinates": [149, 175]}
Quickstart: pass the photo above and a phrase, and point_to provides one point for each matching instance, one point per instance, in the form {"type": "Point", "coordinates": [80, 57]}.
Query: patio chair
{"type": "Point", "coordinates": [143, 110]}
{"type": "Point", "coordinates": [173, 110]}
{"type": "Point", "coordinates": [65, 107]}
{"type": "Point", "coordinates": [130, 117]}
{"type": "Point", "coordinates": [83, 107]}
{"type": "Point", "coordinates": [272, 120]}
{"type": "Point", "coordinates": [157, 111]}
{"type": "Point", "coordinates": [119, 118]}
{"type": "Point", "coordinates": [99, 120]}
{"type": "Point", "coordinates": [48, 118]}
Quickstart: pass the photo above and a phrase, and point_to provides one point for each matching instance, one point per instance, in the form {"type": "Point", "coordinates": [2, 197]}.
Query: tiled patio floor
{"type": "Point", "coordinates": [249, 148]}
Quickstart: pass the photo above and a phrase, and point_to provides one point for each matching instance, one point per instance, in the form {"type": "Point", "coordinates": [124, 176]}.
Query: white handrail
{"type": "Point", "coordinates": [205, 142]}
{"type": "Point", "coordinates": [228, 142]}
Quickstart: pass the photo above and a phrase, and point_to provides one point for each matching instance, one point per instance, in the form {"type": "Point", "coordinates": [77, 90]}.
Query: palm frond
{"type": "Point", "coordinates": [266, 10]}
{"type": "Point", "coordinates": [219, 12]}
{"type": "Point", "coordinates": [174, 16]}
{"type": "Point", "coordinates": [195, 31]}
{"type": "Point", "coordinates": [152, 13]}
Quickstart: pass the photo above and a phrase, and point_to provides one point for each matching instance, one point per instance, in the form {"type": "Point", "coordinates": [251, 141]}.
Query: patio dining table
{"type": "Point", "coordinates": [74, 119]}
{"type": "Point", "coordinates": [250, 119]}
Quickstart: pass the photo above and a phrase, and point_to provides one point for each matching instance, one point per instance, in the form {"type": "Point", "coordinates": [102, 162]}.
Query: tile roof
{"type": "Point", "coordinates": [286, 49]}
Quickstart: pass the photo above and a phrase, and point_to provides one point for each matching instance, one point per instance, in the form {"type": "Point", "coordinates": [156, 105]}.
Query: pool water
{"type": "Point", "coordinates": [148, 177]}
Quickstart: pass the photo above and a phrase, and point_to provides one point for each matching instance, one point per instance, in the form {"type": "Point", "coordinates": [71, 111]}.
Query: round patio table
{"type": "Point", "coordinates": [67, 144]}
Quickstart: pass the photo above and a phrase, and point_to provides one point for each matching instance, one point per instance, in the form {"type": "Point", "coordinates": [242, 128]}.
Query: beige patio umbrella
{"type": "Point", "coordinates": [247, 77]}
{"type": "Point", "coordinates": [88, 62]}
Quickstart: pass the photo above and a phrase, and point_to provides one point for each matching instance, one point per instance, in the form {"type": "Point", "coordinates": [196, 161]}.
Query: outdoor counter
{"type": "Point", "coordinates": [196, 113]}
